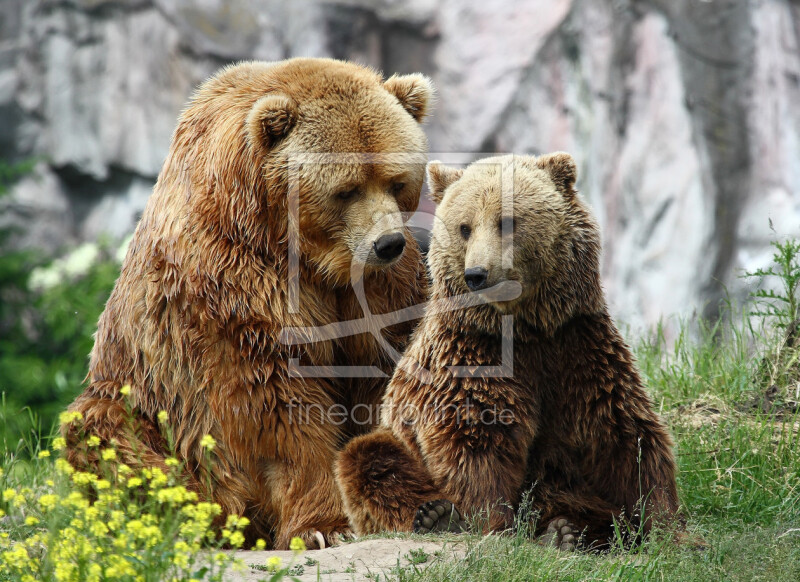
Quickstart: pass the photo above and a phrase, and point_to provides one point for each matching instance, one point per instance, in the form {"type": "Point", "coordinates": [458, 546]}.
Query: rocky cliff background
{"type": "Point", "coordinates": [683, 115]}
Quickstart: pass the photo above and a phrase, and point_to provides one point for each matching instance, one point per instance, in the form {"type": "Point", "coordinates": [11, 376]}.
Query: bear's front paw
{"type": "Point", "coordinates": [438, 516]}
{"type": "Point", "coordinates": [339, 536]}
{"type": "Point", "coordinates": [315, 539]}
{"type": "Point", "coordinates": [561, 534]}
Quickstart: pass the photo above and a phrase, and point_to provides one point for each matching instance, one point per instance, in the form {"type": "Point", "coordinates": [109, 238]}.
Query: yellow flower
{"type": "Point", "coordinates": [76, 500]}
{"type": "Point", "coordinates": [44, 454]}
{"type": "Point", "coordinates": [93, 441]}
{"type": "Point", "coordinates": [134, 482]}
{"type": "Point", "coordinates": [260, 544]}
{"type": "Point", "coordinates": [17, 557]}
{"type": "Point", "coordinates": [297, 545]}
{"type": "Point", "coordinates": [98, 528]}
{"type": "Point", "coordinates": [68, 417]}
{"type": "Point", "coordinates": [58, 443]}
{"type": "Point", "coordinates": [82, 478]}
{"type": "Point", "coordinates": [125, 390]}
{"type": "Point", "coordinates": [171, 462]}
{"type": "Point", "coordinates": [119, 567]}
{"type": "Point", "coordinates": [163, 417]}
{"type": "Point", "coordinates": [62, 466]}
{"type": "Point", "coordinates": [102, 484]}
{"type": "Point", "coordinates": [108, 454]}
{"type": "Point", "coordinates": [9, 494]}
{"type": "Point", "coordinates": [158, 479]}
{"type": "Point", "coordinates": [234, 521]}
{"type": "Point", "coordinates": [31, 520]}
{"type": "Point", "coordinates": [237, 539]}
{"type": "Point", "coordinates": [116, 519]}
{"type": "Point", "coordinates": [178, 494]}
{"type": "Point", "coordinates": [182, 554]}
{"type": "Point", "coordinates": [48, 501]}
{"type": "Point", "coordinates": [95, 572]}
{"type": "Point", "coordinates": [208, 442]}
{"type": "Point", "coordinates": [274, 564]}
{"type": "Point", "coordinates": [64, 570]}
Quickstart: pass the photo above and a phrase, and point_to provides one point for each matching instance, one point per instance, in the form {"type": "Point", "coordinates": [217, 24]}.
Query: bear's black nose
{"type": "Point", "coordinates": [476, 278]}
{"type": "Point", "coordinates": [389, 246]}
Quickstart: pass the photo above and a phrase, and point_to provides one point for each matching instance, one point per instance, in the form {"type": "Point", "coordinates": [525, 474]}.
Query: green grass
{"type": "Point", "coordinates": [729, 394]}
{"type": "Point", "coordinates": [757, 554]}
{"type": "Point", "coordinates": [739, 481]}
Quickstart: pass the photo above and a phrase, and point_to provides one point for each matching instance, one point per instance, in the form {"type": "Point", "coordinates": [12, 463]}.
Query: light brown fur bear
{"type": "Point", "coordinates": [572, 422]}
{"type": "Point", "coordinates": [194, 322]}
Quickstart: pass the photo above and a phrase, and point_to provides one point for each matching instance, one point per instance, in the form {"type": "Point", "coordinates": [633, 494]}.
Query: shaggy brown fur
{"type": "Point", "coordinates": [194, 322]}
{"type": "Point", "coordinates": [572, 423]}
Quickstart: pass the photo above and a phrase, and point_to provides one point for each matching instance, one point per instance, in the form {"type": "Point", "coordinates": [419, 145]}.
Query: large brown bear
{"type": "Point", "coordinates": [555, 406]}
{"type": "Point", "coordinates": [194, 322]}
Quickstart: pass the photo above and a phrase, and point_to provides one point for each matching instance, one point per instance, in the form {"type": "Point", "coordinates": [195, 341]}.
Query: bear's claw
{"type": "Point", "coordinates": [438, 516]}
{"type": "Point", "coordinates": [561, 534]}
{"type": "Point", "coordinates": [315, 539]}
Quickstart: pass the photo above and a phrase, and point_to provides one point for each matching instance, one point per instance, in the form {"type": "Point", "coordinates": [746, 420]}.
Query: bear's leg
{"type": "Point", "coordinates": [439, 516]}
{"type": "Point", "coordinates": [383, 483]}
{"type": "Point", "coordinates": [309, 505]}
{"type": "Point", "coordinates": [303, 496]}
{"type": "Point", "coordinates": [653, 495]}
{"type": "Point", "coordinates": [561, 533]}
{"type": "Point", "coordinates": [570, 520]}
{"type": "Point", "coordinates": [638, 475]}
{"type": "Point", "coordinates": [136, 440]}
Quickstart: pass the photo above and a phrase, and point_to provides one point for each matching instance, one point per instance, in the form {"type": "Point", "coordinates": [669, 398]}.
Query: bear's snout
{"type": "Point", "coordinates": [476, 278]}
{"type": "Point", "coordinates": [389, 246]}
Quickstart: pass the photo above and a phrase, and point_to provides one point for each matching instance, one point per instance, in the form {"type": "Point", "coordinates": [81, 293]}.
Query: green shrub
{"type": "Point", "coordinates": [46, 333]}
{"type": "Point", "coordinates": [45, 344]}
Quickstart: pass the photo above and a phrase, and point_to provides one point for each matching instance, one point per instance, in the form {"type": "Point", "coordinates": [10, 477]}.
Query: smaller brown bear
{"type": "Point", "coordinates": [570, 420]}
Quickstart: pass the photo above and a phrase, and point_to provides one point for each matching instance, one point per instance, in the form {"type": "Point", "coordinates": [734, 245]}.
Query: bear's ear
{"type": "Point", "coordinates": [440, 177]}
{"type": "Point", "coordinates": [270, 119]}
{"type": "Point", "coordinates": [415, 93]}
{"type": "Point", "coordinates": [562, 170]}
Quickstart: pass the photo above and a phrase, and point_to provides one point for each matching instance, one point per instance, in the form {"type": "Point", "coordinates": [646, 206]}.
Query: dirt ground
{"type": "Point", "coordinates": [368, 560]}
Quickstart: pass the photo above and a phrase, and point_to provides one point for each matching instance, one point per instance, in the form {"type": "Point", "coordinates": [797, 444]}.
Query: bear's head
{"type": "Point", "coordinates": [351, 148]}
{"type": "Point", "coordinates": [324, 147]}
{"type": "Point", "coordinates": [516, 218]}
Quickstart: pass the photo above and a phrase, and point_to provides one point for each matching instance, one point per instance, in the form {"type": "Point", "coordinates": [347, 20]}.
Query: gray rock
{"type": "Point", "coordinates": [37, 214]}
{"type": "Point", "coordinates": [683, 116]}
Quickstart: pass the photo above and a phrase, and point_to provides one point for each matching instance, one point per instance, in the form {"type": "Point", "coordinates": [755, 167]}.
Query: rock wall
{"type": "Point", "coordinates": [684, 115]}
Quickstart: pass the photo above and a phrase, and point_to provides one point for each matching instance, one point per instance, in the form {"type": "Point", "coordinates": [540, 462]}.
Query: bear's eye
{"type": "Point", "coordinates": [465, 231]}
{"type": "Point", "coordinates": [507, 224]}
{"type": "Point", "coordinates": [347, 194]}
{"type": "Point", "coordinates": [397, 187]}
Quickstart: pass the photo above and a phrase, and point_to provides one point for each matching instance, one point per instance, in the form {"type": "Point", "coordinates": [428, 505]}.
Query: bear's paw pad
{"type": "Point", "coordinates": [561, 534]}
{"type": "Point", "coordinates": [439, 516]}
